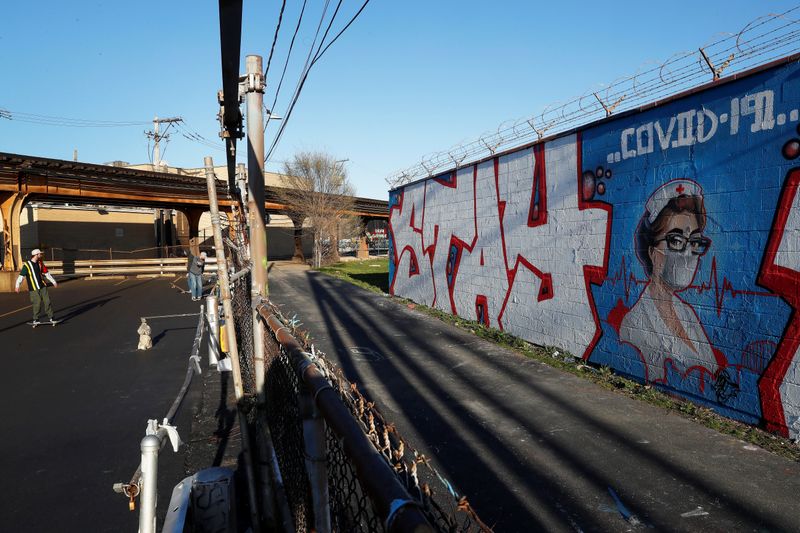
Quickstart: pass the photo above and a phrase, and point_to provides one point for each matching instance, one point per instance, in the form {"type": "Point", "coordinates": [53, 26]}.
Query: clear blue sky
{"type": "Point", "coordinates": [408, 78]}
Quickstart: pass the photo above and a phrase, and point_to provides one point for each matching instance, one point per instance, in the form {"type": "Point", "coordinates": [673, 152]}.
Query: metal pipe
{"type": "Point", "coordinates": [212, 317]}
{"type": "Point", "coordinates": [148, 499]}
{"type": "Point", "coordinates": [194, 366]}
{"type": "Point", "coordinates": [268, 462]}
{"type": "Point", "coordinates": [316, 464]}
{"type": "Point", "coordinates": [233, 349]}
{"type": "Point", "coordinates": [398, 510]}
{"type": "Point", "coordinates": [242, 273]}
{"type": "Point", "coordinates": [256, 207]}
{"type": "Point", "coordinates": [168, 316]}
{"type": "Point", "coordinates": [224, 283]}
{"type": "Point", "coordinates": [241, 182]}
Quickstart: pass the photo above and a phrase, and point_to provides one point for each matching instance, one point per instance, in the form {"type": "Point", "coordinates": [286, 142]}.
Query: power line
{"type": "Point", "coordinates": [190, 134]}
{"type": "Point", "coordinates": [49, 120]}
{"type": "Point", "coordinates": [319, 55]}
{"type": "Point", "coordinates": [302, 82]}
{"type": "Point", "coordinates": [288, 55]}
{"type": "Point", "coordinates": [311, 49]}
{"type": "Point", "coordinates": [310, 58]}
{"type": "Point", "coordinates": [275, 39]}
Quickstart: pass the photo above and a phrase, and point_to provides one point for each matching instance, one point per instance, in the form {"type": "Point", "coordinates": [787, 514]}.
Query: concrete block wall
{"type": "Point", "coordinates": [663, 243]}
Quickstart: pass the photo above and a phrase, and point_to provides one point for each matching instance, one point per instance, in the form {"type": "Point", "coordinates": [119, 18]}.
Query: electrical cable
{"type": "Point", "coordinates": [288, 55]}
{"type": "Point", "coordinates": [274, 40]}
{"type": "Point", "coordinates": [304, 71]}
{"type": "Point", "coordinates": [317, 56]}
{"type": "Point", "coordinates": [48, 120]}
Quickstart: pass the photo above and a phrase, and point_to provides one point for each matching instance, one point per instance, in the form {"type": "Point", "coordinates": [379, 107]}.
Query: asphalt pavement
{"type": "Point", "coordinates": [76, 400]}
{"type": "Point", "coordinates": [534, 448]}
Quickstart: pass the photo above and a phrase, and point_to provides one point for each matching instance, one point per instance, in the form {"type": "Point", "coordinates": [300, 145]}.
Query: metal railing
{"type": "Point", "coordinates": [319, 405]}
{"type": "Point", "coordinates": [324, 458]}
{"type": "Point", "coordinates": [343, 467]}
{"type": "Point", "coordinates": [53, 253]}
{"type": "Point", "coordinates": [317, 455]}
{"type": "Point", "coordinates": [144, 481]}
{"type": "Point", "coordinates": [116, 267]}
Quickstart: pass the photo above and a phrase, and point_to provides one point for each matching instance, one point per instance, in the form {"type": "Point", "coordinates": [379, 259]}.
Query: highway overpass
{"type": "Point", "coordinates": [28, 178]}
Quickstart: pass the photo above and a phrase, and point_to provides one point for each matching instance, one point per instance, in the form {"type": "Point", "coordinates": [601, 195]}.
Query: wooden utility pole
{"type": "Point", "coordinates": [156, 136]}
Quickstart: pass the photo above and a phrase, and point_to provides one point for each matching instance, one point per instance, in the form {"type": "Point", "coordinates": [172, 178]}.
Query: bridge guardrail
{"type": "Point", "coordinates": [110, 267]}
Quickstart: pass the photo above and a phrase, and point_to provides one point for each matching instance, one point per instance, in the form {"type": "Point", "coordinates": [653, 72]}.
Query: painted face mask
{"type": "Point", "coordinates": [679, 269]}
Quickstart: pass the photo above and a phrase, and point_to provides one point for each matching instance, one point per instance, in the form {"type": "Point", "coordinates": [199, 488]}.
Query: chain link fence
{"type": "Point", "coordinates": [350, 507]}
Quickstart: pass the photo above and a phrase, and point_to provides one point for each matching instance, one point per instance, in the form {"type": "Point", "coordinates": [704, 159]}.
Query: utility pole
{"type": "Point", "coordinates": [253, 87]}
{"type": "Point", "coordinates": [156, 136]}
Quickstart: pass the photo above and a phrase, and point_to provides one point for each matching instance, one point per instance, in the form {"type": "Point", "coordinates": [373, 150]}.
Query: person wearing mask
{"type": "Point", "coordinates": [663, 327]}
{"type": "Point", "coordinates": [35, 272]}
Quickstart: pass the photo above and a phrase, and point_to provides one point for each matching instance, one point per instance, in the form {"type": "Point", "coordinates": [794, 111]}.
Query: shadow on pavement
{"type": "Point", "coordinates": [73, 310]}
{"type": "Point", "coordinates": [469, 447]}
{"type": "Point", "coordinates": [164, 331]}
{"type": "Point", "coordinates": [226, 418]}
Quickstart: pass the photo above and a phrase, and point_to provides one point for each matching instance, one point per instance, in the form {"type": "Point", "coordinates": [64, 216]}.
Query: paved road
{"type": "Point", "coordinates": [533, 448]}
{"type": "Point", "coordinates": [76, 399]}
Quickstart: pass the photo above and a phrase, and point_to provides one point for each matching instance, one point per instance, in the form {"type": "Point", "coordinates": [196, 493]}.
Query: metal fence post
{"type": "Point", "coordinates": [316, 464]}
{"type": "Point", "coordinates": [254, 97]}
{"type": "Point", "coordinates": [149, 490]}
{"type": "Point", "coordinates": [233, 349]}
{"type": "Point", "coordinates": [212, 316]}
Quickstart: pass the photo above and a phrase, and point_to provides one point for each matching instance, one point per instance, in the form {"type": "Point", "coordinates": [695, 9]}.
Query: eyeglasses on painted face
{"type": "Point", "coordinates": [678, 243]}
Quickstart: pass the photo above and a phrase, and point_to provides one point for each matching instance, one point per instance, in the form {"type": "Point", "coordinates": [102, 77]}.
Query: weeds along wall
{"type": "Point", "coordinates": [664, 243]}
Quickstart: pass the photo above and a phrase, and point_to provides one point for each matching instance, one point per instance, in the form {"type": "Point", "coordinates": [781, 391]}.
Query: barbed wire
{"type": "Point", "coordinates": [761, 40]}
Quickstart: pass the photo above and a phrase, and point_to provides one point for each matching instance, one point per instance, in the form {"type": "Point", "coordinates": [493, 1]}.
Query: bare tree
{"type": "Point", "coordinates": [316, 190]}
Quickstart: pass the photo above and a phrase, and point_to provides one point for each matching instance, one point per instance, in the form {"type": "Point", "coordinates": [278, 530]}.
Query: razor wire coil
{"type": "Point", "coordinates": [764, 39]}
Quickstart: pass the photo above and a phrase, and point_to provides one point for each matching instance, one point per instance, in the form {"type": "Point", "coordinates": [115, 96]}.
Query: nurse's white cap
{"type": "Point", "coordinates": [672, 189]}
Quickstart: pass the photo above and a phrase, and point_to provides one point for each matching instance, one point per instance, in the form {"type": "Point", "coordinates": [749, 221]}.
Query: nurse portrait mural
{"type": "Point", "coordinates": [662, 327]}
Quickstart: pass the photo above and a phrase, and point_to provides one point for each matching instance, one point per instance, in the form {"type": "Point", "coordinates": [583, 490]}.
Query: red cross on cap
{"type": "Point", "coordinates": [671, 189]}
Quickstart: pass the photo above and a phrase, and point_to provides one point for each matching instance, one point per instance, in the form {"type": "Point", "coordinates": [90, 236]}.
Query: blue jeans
{"type": "Point", "coordinates": [195, 284]}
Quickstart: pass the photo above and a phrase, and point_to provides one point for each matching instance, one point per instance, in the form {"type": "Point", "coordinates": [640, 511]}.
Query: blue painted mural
{"type": "Point", "coordinates": [664, 243]}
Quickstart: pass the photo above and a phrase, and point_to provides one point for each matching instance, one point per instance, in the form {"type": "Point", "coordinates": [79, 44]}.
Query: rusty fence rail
{"type": "Point", "coordinates": [324, 459]}
{"type": "Point", "coordinates": [338, 457]}
{"type": "Point", "coordinates": [319, 404]}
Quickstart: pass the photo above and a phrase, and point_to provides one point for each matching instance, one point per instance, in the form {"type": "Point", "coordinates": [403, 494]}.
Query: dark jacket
{"type": "Point", "coordinates": [195, 265]}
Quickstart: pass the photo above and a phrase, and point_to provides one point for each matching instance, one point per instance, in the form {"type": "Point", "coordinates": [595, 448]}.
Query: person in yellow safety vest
{"type": "Point", "coordinates": [34, 272]}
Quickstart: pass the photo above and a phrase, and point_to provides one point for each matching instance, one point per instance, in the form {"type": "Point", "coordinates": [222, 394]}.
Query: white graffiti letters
{"type": "Point", "coordinates": [699, 126]}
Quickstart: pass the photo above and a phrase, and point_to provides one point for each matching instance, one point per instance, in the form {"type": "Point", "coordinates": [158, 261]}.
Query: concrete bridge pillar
{"type": "Point", "coordinates": [193, 215]}
{"type": "Point", "coordinates": [362, 252]}
{"type": "Point", "coordinates": [11, 204]}
{"type": "Point", "coordinates": [298, 256]}
{"type": "Point", "coordinates": [362, 249]}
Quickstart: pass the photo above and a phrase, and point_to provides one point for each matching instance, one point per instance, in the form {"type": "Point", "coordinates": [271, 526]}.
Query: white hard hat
{"type": "Point", "coordinates": [36, 251]}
